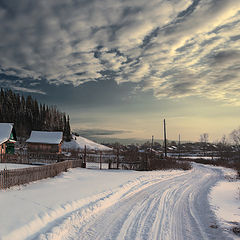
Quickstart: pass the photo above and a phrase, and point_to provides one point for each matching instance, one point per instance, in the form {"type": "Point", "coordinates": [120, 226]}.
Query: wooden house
{"type": "Point", "coordinates": [45, 142]}
{"type": "Point", "coordinates": [7, 138]}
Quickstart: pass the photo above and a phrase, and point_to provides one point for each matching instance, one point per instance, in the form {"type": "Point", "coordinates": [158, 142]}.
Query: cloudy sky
{"type": "Point", "coordinates": [118, 67]}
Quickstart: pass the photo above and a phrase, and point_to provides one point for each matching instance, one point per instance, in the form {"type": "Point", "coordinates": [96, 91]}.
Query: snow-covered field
{"type": "Point", "coordinates": [79, 143]}
{"type": "Point", "coordinates": [114, 204]}
{"type": "Point", "coordinates": [9, 166]}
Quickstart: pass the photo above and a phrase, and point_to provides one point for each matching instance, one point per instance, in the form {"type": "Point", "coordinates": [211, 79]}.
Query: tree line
{"type": "Point", "coordinates": [27, 115]}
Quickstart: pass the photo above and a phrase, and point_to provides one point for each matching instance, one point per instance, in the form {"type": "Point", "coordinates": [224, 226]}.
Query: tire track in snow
{"type": "Point", "coordinates": [165, 209]}
{"type": "Point", "coordinates": [65, 225]}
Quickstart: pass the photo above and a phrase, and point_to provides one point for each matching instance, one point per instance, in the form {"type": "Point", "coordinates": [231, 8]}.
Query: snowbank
{"type": "Point", "coordinates": [225, 201]}
{"type": "Point", "coordinates": [80, 142]}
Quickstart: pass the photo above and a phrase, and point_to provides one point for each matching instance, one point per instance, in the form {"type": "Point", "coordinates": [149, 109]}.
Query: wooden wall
{"type": "Point", "coordinates": [41, 147]}
{"type": "Point", "coordinates": [3, 148]}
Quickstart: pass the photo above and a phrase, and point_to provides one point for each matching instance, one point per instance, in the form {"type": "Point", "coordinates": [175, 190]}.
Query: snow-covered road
{"type": "Point", "coordinates": [173, 207]}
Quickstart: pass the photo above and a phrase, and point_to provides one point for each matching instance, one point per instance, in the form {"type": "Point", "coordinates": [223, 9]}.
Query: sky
{"type": "Point", "coordinates": [119, 67]}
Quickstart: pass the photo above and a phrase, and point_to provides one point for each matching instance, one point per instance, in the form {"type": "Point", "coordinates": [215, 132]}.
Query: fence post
{"type": "Point", "coordinates": [117, 158]}
{"type": "Point", "coordinates": [84, 157]}
{"type": "Point", "coordinates": [1, 180]}
{"type": "Point", "coordinates": [5, 178]}
{"type": "Point", "coordinates": [100, 160]}
{"type": "Point", "coordinates": [109, 163]}
{"type": "Point", "coordinates": [147, 163]}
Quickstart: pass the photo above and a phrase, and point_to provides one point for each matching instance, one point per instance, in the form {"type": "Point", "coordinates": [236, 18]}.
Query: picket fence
{"type": "Point", "coordinates": [9, 178]}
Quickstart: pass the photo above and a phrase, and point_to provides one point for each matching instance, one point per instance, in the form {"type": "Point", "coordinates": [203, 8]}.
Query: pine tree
{"type": "Point", "coordinates": [68, 130]}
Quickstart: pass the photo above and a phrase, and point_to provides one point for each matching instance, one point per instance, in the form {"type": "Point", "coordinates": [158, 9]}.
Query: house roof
{"type": "Point", "coordinates": [45, 137]}
{"type": "Point", "coordinates": [5, 132]}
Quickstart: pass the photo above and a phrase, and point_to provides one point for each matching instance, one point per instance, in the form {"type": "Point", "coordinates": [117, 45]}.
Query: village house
{"type": "Point", "coordinates": [45, 142]}
{"type": "Point", "coordinates": [7, 138]}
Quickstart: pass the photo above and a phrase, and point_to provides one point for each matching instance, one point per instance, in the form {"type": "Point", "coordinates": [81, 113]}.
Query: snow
{"type": "Point", "coordinates": [5, 132]}
{"type": "Point", "coordinates": [113, 204]}
{"type": "Point", "coordinates": [28, 210]}
{"type": "Point", "coordinates": [79, 142]}
{"type": "Point", "coordinates": [225, 199]}
{"type": "Point", "coordinates": [45, 137]}
{"type": "Point", "coordinates": [94, 165]}
{"type": "Point", "coordinates": [10, 166]}
{"type": "Point", "coordinates": [200, 157]}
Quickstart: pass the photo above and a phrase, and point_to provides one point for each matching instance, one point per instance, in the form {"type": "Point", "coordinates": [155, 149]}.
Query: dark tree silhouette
{"type": "Point", "coordinates": [27, 115]}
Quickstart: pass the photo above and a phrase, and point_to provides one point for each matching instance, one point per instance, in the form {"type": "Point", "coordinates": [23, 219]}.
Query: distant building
{"type": "Point", "coordinates": [7, 138]}
{"type": "Point", "coordinates": [46, 142]}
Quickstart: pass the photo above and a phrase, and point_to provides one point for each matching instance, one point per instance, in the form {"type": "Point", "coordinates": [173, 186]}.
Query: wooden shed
{"type": "Point", "coordinates": [7, 138]}
{"type": "Point", "coordinates": [46, 142]}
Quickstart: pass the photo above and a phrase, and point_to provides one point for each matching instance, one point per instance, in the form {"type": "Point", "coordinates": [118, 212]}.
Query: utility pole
{"type": "Point", "coordinates": [165, 138]}
{"type": "Point", "coordinates": [179, 146]}
{"type": "Point", "coordinates": [152, 143]}
{"type": "Point", "coordinates": [151, 148]}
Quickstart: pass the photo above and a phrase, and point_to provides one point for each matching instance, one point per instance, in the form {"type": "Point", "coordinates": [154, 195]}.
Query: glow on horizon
{"type": "Point", "coordinates": [140, 126]}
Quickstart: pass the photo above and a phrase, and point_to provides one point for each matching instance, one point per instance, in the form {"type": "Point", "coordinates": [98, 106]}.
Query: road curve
{"type": "Point", "coordinates": [169, 209]}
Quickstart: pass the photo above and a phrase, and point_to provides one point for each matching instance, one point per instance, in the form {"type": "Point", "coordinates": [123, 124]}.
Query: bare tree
{"type": "Point", "coordinates": [224, 148]}
{"type": "Point", "coordinates": [204, 137]}
{"type": "Point", "coordinates": [204, 141]}
{"type": "Point", "coordinates": [235, 136]}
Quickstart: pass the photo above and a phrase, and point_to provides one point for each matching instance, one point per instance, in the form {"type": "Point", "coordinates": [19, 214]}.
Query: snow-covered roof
{"type": "Point", "coordinates": [5, 131]}
{"type": "Point", "coordinates": [81, 142]}
{"type": "Point", "coordinates": [45, 137]}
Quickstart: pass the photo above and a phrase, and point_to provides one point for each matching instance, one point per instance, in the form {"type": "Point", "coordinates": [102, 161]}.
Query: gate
{"type": "Point", "coordinates": [99, 160]}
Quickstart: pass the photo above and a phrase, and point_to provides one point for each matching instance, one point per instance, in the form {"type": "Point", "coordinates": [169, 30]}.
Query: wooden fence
{"type": "Point", "coordinates": [36, 158]}
{"type": "Point", "coordinates": [9, 178]}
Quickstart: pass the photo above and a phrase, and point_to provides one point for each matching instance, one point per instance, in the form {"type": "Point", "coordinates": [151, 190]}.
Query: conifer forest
{"type": "Point", "coordinates": [28, 114]}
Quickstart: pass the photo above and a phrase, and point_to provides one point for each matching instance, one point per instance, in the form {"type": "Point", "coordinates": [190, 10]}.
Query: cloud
{"type": "Point", "coordinates": [28, 90]}
{"type": "Point", "coordinates": [226, 57]}
{"type": "Point", "coordinates": [20, 84]}
{"type": "Point", "coordinates": [98, 132]}
{"type": "Point", "coordinates": [173, 48]}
